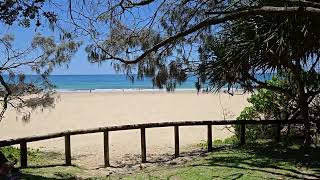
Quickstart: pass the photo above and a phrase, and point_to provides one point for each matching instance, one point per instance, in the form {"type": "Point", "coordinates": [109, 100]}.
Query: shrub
{"type": "Point", "coordinates": [265, 104]}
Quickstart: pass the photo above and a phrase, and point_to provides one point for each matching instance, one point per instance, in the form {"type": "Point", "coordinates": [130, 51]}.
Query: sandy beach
{"type": "Point", "coordinates": [90, 110]}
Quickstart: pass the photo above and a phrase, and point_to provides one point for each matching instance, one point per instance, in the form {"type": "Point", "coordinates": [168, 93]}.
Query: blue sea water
{"type": "Point", "coordinates": [107, 82]}
{"type": "Point", "coordinates": [112, 82]}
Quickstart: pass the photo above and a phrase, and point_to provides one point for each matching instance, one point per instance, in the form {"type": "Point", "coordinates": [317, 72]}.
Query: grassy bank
{"type": "Point", "coordinates": [42, 165]}
{"type": "Point", "coordinates": [260, 160]}
{"type": "Point", "coordinates": [254, 161]}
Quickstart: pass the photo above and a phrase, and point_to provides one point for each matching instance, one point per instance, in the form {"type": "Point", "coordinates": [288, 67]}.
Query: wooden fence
{"type": "Point", "coordinates": [105, 130]}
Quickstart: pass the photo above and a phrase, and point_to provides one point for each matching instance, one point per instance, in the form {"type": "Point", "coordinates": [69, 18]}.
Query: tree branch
{"type": "Point", "coordinates": [6, 96]}
{"type": "Point", "coordinates": [141, 3]}
{"type": "Point", "coordinates": [271, 87]}
{"type": "Point", "coordinates": [315, 63]}
{"type": "Point", "coordinates": [265, 10]}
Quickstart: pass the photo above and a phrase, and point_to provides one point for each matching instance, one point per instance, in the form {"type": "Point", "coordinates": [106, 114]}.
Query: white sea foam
{"type": "Point", "coordinates": [135, 90]}
{"type": "Point", "coordinates": [117, 90]}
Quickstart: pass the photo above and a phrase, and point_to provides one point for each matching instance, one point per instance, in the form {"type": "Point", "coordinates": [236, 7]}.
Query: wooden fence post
{"type": "Point", "coordinates": [67, 148]}
{"type": "Point", "coordinates": [278, 132]}
{"type": "Point", "coordinates": [143, 145]}
{"type": "Point", "coordinates": [209, 138]}
{"type": "Point", "coordinates": [23, 155]}
{"type": "Point", "coordinates": [106, 148]}
{"type": "Point", "coordinates": [176, 141]}
{"type": "Point", "coordinates": [243, 134]}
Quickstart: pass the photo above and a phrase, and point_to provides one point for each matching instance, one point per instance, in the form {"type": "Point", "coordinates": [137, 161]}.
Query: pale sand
{"type": "Point", "coordinates": [90, 110]}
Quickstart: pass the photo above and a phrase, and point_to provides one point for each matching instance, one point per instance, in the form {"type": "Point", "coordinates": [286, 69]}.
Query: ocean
{"type": "Point", "coordinates": [112, 82]}
{"type": "Point", "coordinates": [109, 82]}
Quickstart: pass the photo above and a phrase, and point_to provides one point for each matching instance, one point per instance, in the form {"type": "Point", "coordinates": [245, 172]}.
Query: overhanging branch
{"type": "Point", "coordinates": [265, 10]}
{"type": "Point", "coordinates": [271, 87]}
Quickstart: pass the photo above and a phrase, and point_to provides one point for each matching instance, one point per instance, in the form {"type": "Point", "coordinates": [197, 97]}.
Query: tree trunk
{"type": "Point", "coordinates": [302, 103]}
{"type": "Point", "coordinates": [304, 109]}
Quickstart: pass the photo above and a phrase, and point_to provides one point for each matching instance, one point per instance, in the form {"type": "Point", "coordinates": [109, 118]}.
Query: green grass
{"type": "Point", "coordinates": [253, 161]}
{"type": "Point", "coordinates": [218, 142]}
{"type": "Point", "coordinates": [35, 156]}
{"type": "Point", "coordinates": [42, 165]}
{"type": "Point", "coordinates": [260, 160]}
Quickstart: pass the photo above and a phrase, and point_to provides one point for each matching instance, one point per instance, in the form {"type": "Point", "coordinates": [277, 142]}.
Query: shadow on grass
{"type": "Point", "coordinates": [24, 176]}
{"type": "Point", "coordinates": [280, 159]}
{"type": "Point", "coordinates": [50, 165]}
{"type": "Point", "coordinates": [17, 175]}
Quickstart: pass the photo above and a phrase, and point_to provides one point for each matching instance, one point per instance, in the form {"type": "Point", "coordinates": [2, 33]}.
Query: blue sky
{"type": "Point", "coordinates": [79, 63]}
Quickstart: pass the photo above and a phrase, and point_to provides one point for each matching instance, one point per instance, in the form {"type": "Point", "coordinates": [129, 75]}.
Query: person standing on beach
{"type": "Point", "coordinates": [198, 86]}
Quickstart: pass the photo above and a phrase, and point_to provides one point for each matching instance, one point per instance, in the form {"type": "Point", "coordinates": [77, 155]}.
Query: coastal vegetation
{"type": "Point", "coordinates": [40, 56]}
{"type": "Point", "coordinates": [224, 43]}
{"type": "Point", "coordinates": [266, 104]}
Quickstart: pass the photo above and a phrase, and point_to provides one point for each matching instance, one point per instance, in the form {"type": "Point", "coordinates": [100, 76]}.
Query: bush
{"type": "Point", "coordinates": [254, 132]}
{"type": "Point", "coordinates": [11, 153]}
{"type": "Point", "coordinates": [265, 104]}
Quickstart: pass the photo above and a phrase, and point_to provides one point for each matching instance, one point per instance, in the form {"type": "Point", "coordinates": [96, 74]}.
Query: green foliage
{"type": "Point", "coordinates": [43, 55]}
{"type": "Point", "coordinates": [265, 104]}
{"type": "Point", "coordinates": [268, 104]}
{"type": "Point", "coordinates": [24, 12]}
{"type": "Point", "coordinates": [248, 113]}
{"type": "Point", "coordinates": [286, 45]}
{"type": "Point", "coordinates": [233, 140]}
{"type": "Point", "coordinates": [12, 153]}
{"type": "Point", "coordinates": [35, 156]}
{"type": "Point", "coordinates": [259, 45]}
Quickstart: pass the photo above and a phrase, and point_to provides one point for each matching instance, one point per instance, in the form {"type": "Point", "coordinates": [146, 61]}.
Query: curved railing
{"type": "Point", "coordinates": [105, 130]}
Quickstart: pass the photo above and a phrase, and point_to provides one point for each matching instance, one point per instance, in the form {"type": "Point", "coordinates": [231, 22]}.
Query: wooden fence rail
{"type": "Point", "coordinates": [105, 130]}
